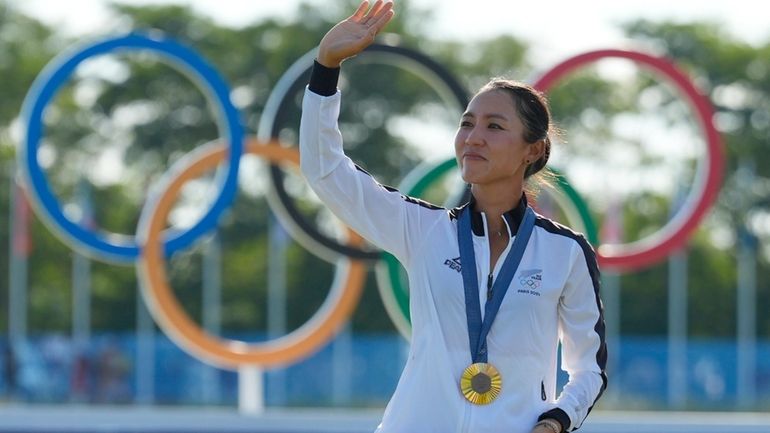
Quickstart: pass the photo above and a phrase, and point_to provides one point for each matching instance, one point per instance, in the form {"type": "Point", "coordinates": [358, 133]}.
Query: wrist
{"type": "Point", "coordinates": [558, 415]}
{"type": "Point", "coordinates": [551, 424]}
{"type": "Point", "coordinates": [327, 61]}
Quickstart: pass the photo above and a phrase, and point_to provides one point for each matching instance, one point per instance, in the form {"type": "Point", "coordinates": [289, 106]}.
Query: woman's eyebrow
{"type": "Point", "coordinates": [486, 116]}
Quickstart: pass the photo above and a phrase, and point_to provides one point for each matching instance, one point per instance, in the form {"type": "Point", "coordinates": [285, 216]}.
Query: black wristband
{"type": "Point", "coordinates": [323, 80]}
{"type": "Point", "coordinates": [558, 415]}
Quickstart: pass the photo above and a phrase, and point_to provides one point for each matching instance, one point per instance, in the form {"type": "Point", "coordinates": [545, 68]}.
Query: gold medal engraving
{"type": "Point", "coordinates": [481, 383]}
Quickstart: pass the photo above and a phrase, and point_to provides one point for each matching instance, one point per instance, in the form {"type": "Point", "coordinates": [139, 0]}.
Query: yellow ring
{"type": "Point", "coordinates": [177, 324]}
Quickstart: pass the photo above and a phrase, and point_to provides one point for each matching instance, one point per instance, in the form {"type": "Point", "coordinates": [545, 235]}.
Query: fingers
{"type": "Point", "coordinates": [361, 11]}
{"type": "Point", "coordinates": [383, 19]}
{"type": "Point", "coordinates": [372, 15]}
{"type": "Point", "coordinates": [379, 9]}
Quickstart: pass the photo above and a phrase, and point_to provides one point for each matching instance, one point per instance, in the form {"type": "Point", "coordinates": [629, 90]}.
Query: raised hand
{"type": "Point", "coordinates": [354, 34]}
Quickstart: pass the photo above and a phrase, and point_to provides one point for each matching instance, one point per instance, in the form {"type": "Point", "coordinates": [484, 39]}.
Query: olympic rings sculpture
{"type": "Point", "coordinates": [151, 246]}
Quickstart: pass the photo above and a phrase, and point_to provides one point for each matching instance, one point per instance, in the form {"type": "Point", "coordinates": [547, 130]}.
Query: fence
{"type": "Point", "coordinates": [353, 371]}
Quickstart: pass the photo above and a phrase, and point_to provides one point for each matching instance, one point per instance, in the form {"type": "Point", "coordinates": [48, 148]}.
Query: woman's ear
{"type": "Point", "coordinates": [536, 150]}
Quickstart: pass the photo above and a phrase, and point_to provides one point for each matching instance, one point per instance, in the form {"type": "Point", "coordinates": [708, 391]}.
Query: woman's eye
{"type": "Point", "coordinates": [495, 126]}
{"type": "Point", "coordinates": [466, 124]}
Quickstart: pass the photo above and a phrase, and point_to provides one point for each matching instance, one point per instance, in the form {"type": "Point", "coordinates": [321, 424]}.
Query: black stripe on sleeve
{"type": "Point", "coordinates": [559, 415]}
{"type": "Point", "coordinates": [323, 80]}
{"type": "Point", "coordinates": [599, 328]}
{"type": "Point", "coordinates": [405, 197]}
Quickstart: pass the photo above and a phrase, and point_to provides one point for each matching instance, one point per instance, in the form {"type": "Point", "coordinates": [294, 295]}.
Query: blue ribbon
{"type": "Point", "coordinates": [478, 330]}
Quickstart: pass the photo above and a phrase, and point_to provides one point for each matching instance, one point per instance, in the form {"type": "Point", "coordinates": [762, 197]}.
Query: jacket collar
{"type": "Point", "coordinates": [513, 217]}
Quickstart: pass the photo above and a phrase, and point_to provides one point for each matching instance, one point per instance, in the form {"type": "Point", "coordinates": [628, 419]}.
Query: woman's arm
{"type": "Point", "coordinates": [582, 333]}
{"type": "Point", "coordinates": [380, 214]}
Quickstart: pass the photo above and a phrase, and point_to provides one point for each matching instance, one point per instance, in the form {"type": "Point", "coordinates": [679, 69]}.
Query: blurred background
{"type": "Point", "coordinates": [688, 333]}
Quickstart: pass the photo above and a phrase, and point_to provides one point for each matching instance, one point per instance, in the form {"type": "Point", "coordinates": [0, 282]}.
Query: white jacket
{"type": "Point", "coordinates": [553, 297]}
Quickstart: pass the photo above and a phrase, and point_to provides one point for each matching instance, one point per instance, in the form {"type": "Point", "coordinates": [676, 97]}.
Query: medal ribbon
{"type": "Point", "coordinates": [477, 331]}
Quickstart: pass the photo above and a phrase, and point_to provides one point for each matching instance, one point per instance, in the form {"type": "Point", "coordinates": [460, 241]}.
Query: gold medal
{"type": "Point", "coordinates": [481, 383]}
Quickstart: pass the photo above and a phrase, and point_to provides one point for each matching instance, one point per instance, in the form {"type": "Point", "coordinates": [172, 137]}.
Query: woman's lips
{"type": "Point", "coordinates": [473, 156]}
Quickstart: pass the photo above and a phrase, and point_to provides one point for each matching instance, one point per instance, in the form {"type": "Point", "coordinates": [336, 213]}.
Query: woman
{"type": "Point", "coordinates": [470, 369]}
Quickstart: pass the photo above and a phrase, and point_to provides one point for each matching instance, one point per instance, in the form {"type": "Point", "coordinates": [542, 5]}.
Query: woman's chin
{"type": "Point", "coordinates": [472, 177]}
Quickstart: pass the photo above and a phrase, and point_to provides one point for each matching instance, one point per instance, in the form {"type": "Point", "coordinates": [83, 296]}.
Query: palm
{"type": "Point", "coordinates": [354, 34]}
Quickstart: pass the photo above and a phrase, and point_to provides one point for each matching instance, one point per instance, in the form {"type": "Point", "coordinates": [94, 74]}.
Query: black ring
{"type": "Point", "coordinates": [458, 93]}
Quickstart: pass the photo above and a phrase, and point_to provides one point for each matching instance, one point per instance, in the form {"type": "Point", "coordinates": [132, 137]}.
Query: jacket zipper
{"type": "Point", "coordinates": [466, 428]}
{"type": "Point", "coordinates": [489, 287]}
{"type": "Point", "coordinates": [542, 391]}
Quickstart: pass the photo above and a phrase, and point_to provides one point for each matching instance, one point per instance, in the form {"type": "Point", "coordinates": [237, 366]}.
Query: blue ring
{"type": "Point", "coordinates": [57, 73]}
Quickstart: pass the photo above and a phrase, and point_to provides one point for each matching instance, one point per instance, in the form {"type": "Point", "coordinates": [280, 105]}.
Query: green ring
{"type": "Point", "coordinates": [589, 228]}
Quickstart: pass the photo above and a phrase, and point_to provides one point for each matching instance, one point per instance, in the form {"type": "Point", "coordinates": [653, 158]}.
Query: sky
{"type": "Point", "coordinates": [556, 29]}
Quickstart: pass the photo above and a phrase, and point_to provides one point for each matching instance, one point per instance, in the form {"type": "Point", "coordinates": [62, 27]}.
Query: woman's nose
{"type": "Point", "coordinates": [474, 137]}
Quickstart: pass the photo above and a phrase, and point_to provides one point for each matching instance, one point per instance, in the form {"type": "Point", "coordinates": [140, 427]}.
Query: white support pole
{"type": "Point", "coordinates": [677, 315]}
{"type": "Point", "coordinates": [677, 330]}
{"type": "Point", "coordinates": [81, 273]}
{"type": "Point", "coordinates": [251, 390]}
{"type": "Point", "coordinates": [81, 300]}
{"type": "Point", "coordinates": [212, 312]}
{"type": "Point", "coordinates": [276, 301]}
{"type": "Point", "coordinates": [17, 272]}
{"type": "Point", "coordinates": [746, 305]}
{"type": "Point", "coordinates": [145, 353]}
{"type": "Point", "coordinates": [746, 366]}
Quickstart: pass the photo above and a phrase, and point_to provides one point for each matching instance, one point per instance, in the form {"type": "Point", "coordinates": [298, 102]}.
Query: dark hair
{"type": "Point", "coordinates": [532, 107]}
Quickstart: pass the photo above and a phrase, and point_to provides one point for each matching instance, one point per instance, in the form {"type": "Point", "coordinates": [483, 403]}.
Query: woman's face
{"type": "Point", "coordinates": [489, 144]}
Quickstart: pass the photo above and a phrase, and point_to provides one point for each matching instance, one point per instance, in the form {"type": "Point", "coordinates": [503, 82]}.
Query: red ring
{"type": "Point", "coordinates": [675, 233]}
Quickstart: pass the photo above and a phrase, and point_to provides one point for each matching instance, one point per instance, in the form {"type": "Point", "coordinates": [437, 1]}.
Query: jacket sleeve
{"type": "Point", "coordinates": [380, 214]}
{"type": "Point", "coordinates": [582, 334]}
